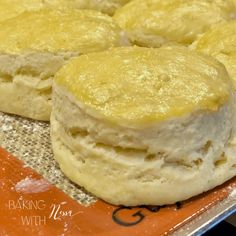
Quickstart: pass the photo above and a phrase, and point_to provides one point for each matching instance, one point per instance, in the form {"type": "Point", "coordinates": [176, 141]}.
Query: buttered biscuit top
{"type": "Point", "coordinates": [12, 8]}
{"type": "Point", "coordinates": [58, 31]}
{"type": "Point", "coordinates": [156, 22]}
{"type": "Point", "coordinates": [145, 85]}
{"type": "Point", "coordinates": [220, 42]}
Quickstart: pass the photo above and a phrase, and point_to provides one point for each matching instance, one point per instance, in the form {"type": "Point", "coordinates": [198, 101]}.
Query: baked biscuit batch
{"type": "Point", "coordinates": [141, 104]}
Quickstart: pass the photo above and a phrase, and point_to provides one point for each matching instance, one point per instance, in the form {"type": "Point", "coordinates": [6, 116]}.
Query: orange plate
{"type": "Point", "coordinates": [45, 210]}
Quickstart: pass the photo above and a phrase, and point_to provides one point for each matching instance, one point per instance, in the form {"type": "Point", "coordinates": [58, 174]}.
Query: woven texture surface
{"type": "Point", "coordinates": [29, 141]}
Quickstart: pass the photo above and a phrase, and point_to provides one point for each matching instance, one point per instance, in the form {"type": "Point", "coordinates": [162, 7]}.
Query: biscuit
{"type": "Point", "coordinates": [34, 45]}
{"type": "Point", "coordinates": [152, 23]}
{"type": "Point", "coordinates": [144, 126]}
{"type": "Point", "coordinates": [220, 42]}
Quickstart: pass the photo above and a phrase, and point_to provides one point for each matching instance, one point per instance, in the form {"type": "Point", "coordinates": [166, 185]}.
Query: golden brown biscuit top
{"type": "Point", "coordinates": [138, 86]}
{"type": "Point", "coordinates": [220, 39]}
{"type": "Point", "coordinates": [12, 8]}
{"type": "Point", "coordinates": [69, 30]}
{"type": "Point", "coordinates": [177, 21]}
{"type": "Point", "coordinates": [220, 42]}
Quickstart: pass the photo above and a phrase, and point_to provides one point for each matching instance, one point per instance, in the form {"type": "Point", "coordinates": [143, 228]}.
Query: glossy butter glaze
{"type": "Point", "coordinates": [59, 31]}
{"type": "Point", "coordinates": [141, 86]}
{"type": "Point", "coordinates": [220, 42]}
{"type": "Point", "coordinates": [12, 8]}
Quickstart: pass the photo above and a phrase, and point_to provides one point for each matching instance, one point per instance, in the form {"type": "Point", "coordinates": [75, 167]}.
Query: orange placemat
{"type": "Point", "coordinates": [32, 206]}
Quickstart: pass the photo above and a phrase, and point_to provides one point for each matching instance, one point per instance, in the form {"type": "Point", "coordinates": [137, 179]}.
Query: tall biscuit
{"type": "Point", "coordinates": [34, 45]}
{"type": "Point", "coordinates": [144, 126]}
